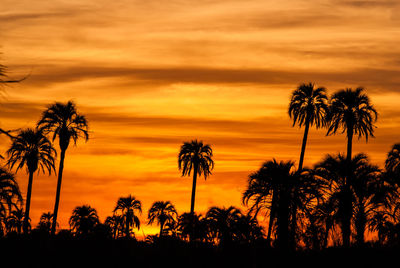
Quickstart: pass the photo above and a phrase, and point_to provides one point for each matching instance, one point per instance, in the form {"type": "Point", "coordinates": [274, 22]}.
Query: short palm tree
{"type": "Point", "coordinates": [162, 212]}
{"type": "Point", "coordinates": [65, 123]}
{"type": "Point", "coordinates": [269, 189]}
{"type": "Point", "coordinates": [365, 191]}
{"type": "Point", "coordinates": [195, 157]}
{"type": "Point", "coordinates": [223, 223]}
{"type": "Point", "coordinates": [31, 149]}
{"type": "Point", "coordinates": [392, 163]}
{"type": "Point", "coordinates": [10, 195]}
{"type": "Point", "coordinates": [115, 222]}
{"type": "Point", "coordinates": [308, 107]}
{"type": "Point", "coordinates": [16, 221]}
{"type": "Point", "coordinates": [83, 220]}
{"type": "Point", "coordinates": [45, 222]}
{"type": "Point", "coordinates": [352, 112]}
{"type": "Point", "coordinates": [127, 206]}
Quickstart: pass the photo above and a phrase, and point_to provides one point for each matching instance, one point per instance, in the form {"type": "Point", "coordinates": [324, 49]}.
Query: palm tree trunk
{"type": "Point", "coordinates": [161, 228]}
{"type": "Point", "coordinates": [127, 226]}
{"type": "Point", "coordinates": [303, 146]}
{"type": "Point", "coordinates": [346, 224]}
{"type": "Point", "coordinates": [193, 189]}
{"type": "Point", "coordinates": [58, 192]}
{"type": "Point", "coordinates": [28, 203]}
{"type": "Point", "coordinates": [360, 224]}
{"type": "Point", "coordinates": [271, 219]}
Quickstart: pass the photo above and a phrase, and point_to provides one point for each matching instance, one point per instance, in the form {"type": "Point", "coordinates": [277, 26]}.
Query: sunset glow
{"type": "Point", "coordinates": [149, 75]}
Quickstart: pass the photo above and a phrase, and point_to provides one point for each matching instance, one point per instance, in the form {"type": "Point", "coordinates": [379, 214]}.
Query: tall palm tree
{"type": "Point", "coordinates": [195, 157]}
{"type": "Point", "coordinates": [308, 107]}
{"type": "Point", "coordinates": [10, 195]}
{"type": "Point", "coordinates": [352, 112]}
{"type": "Point", "coordinates": [83, 220]}
{"type": "Point", "coordinates": [65, 123]}
{"type": "Point", "coordinates": [163, 213]}
{"type": "Point", "coordinates": [127, 207]}
{"type": "Point", "coordinates": [31, 149]}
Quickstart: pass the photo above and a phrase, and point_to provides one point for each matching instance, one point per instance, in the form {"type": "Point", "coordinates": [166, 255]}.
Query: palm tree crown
{"type": "Point", "coordinates": [351, 110]}
{"type": "Point", "coordinates": [308, 105]}
{"type": "Point", "coordinates": [64, 122]}
{"type": "Point", "coordinates": [31, 149]}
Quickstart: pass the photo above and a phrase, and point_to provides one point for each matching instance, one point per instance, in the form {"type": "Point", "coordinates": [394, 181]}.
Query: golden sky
{"type": "Point", "coordinates": [151, 74]}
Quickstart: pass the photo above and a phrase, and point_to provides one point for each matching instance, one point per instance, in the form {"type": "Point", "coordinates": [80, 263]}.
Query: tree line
{"type": "Point", "coordinates": [335, 202]}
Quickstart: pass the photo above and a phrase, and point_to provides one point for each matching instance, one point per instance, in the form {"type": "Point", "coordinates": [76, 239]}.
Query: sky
{"type": "Point", "coordinates": [150, 75]}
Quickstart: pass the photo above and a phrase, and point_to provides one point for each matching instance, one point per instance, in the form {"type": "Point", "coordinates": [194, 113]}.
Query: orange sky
{"type": "Point", "coordinates": [151, 74]}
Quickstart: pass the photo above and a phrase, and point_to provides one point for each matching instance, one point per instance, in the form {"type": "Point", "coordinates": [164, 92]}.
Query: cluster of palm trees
{"type": "Point", "coordinates": [33, 150]}
{"type": "Point", "coordinates": [307, 205]}
{"type": "Point", "coordinates": [337, 201]}
{"type": "Point", "coordinates": [219, 225]}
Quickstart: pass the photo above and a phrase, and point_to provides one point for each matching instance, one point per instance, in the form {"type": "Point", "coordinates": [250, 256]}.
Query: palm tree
{"type": "Point", "coordinates": [269, 189]}
{"type": "Point", "coordinates": [31, 149]}
{"type": "Point", "coordinates": [308, 106]}
{"type": "Point", "coordinates": [163, 213]}
{"type": "Point", "coordinates": [195, 157]}
{"type": "Point", "coordinates": [352, 112]}
{"type": "Point", "coordinates": [392, 163]}
{"type": "Point", "coordinates": [83, 220]}
{"type": "Point", "coordinates": [64, 122]}
{"type": "Point", "coordinates": [10, 195]}
{"type": "Point", "coordinates": [366, 190]}
{"type": "Point", "coordinates": [127, 206]}
{"type": "Point", "coordinates": [115, 222]}
{"type": "Point", "coordinates": [195, 227]}
{"type": "Point", "coordinates": [45, 222]}
{"type": "Point", "coordinates": [16, 221]}
{"type": "Point", "coordinates": [223, 222]}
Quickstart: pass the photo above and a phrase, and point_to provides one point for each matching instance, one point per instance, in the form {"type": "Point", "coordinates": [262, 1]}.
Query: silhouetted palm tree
{"type": "Point", "coordinates": [365, 190]}
{"type": "Point", "coordinates": [83, 220]}
{"type": "Point", "coordinates": [64, 122]}
{"type": "Point", "coordinates": [10, 195]}
{"type": "Point", "coordinates": [223, 223]}
{"type": "Point", "coordinates": [116, 223]}
{"type": "Point", "coordinates": [392, 163]}
{"type": "Point", "coordinates": [195, 227]}
{"type": "Point", "coordinates": [127, 206]}
{"type": "Point", "coordinates": [352, 112]}
{"type": "Point", "coordinates": [270, 189]}
{"type": "Point", "coordinates": [15, 221]}
{"type": "Point", "coordinates": [45, 222]}
{"type": "Point", "coordinates": [195, 157]}
{"type": "Point", "coordinates": [308, 106]}
{"type": "Point", "coordinates": [31, 149]}
{"type": "Point", "coordinates": [163, 213]}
